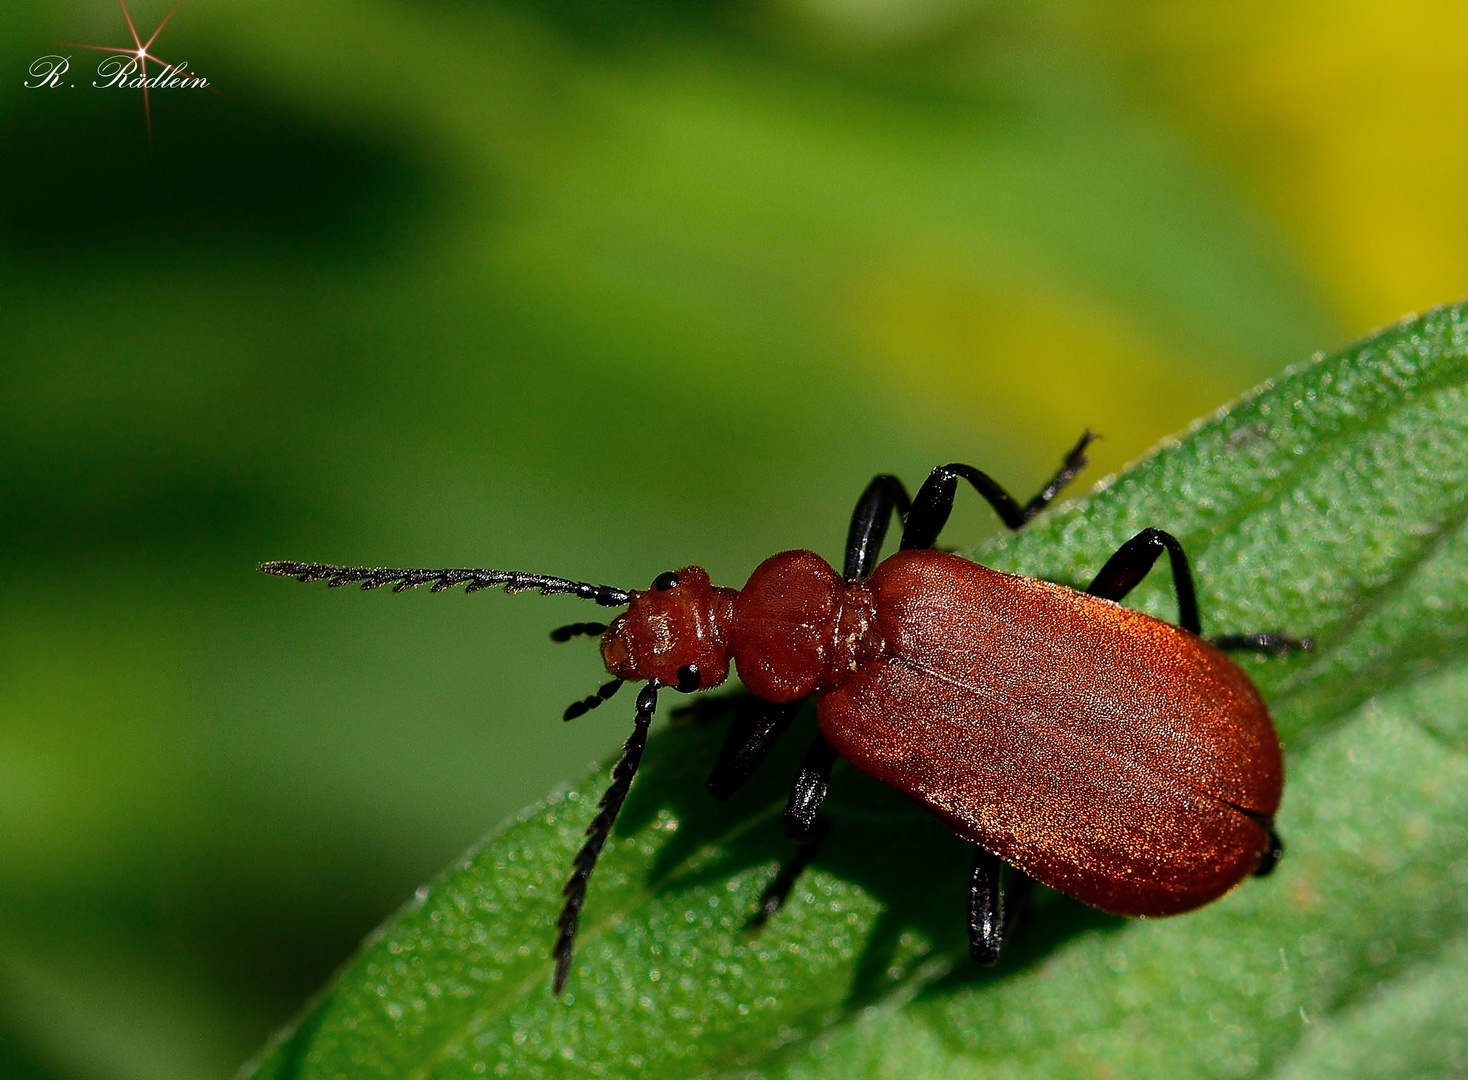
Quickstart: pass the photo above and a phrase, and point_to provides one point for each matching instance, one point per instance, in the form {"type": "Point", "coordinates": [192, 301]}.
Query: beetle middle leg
{"type": "Point", "coordinates": [801, 823]}
{"type": "Point", "coordinates": [1125, 570]}
{"type": "Point", "coordinates": [934, 500]}
{"type": "Point", "coordinates": [810, 788]}
{"type": "Point", "coordinates": [749, 742]}
{"type": "Point", "coordinates": [923, 519]}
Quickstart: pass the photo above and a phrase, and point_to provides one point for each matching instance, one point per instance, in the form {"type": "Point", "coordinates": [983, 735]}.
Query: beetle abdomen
{"type": "Point", "coordinates": [1106, 753]}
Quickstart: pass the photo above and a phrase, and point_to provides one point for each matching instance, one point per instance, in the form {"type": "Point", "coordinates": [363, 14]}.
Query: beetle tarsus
{"type": "Point", "coordinates": [1268, 642]}
{"type": "Point", "coordinates": [1074, 462]}
{"type": "Point", "coordinates": [563, 634]}
{"type": "Point", "coordinates": [591, 701]}
{"type": "Point", "coordinates": [597, 833]}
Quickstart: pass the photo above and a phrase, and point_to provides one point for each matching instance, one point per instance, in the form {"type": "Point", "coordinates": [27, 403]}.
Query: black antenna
{"type": "Point", "coordinates": [586, 704]}
{"type": "Point", "coordinates": [597, 833]}
{"type": "Point", "coordinates": [473, 580]}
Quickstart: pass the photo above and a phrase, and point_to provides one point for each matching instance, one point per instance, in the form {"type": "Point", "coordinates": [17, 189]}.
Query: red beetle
{"type": "Point", "coordinates": [1117, 758]}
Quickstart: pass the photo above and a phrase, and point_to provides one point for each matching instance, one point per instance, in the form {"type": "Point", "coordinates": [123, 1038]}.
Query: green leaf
{"type": "Point", "coordinates": [1330, 503]}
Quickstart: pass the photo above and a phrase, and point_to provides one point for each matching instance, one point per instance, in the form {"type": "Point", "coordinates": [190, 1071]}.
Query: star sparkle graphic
{"type": "Point", "coordinates": [138, 54]}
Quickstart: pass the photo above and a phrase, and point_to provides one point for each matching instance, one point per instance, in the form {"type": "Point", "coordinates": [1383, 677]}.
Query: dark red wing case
{"type": "Point", "coordinates": [1108, 754]}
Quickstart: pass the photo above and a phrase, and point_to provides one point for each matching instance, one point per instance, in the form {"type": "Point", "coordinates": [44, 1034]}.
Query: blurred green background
{"type": "Point", "coordinates": [590, 287]}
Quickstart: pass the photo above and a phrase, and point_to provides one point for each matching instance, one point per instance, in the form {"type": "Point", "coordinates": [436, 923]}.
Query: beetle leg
{"type": "Point", "coordinates": [1130, 564]}
{"type": "Point", "coordinates": [810, 788]}
{"type": "Point", "coordinates": [1271, 858]}
{"type": "Point", "coordinates": [597, 833]}
{"type": "Point", "coordinates": [801, 823]}
{"type": "Point", "coordinates": [883, 496]}
{"type": "Point", "coordinates": [985, 908]}
{"type": "Point", "coordinates": [993, 909]}
{"type": "Point", "coordinates": [750, 738]}
{"type": "Point", "coordinates": [778, 891]}
{"type": "Point", "coordinates": [934, 500]}
{"type": "Point", "coordinates": [1274, 644]}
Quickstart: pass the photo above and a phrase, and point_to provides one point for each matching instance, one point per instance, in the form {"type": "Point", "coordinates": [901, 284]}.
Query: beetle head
{"type": "Point", "coordinates": [676, 633]}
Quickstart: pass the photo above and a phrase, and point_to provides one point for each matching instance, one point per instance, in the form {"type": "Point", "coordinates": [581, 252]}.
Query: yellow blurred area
{"type": "Point", "coordinates": [1347, 121]}
{"type": "Point", "coordinates": [958, 353]}
{"type": "Point", "coordinates": [1345, 124]}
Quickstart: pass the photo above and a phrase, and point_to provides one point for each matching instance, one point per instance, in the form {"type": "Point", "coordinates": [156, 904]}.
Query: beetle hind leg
{"type": "Point", "coordinates": [1270, 859]}
{"type": "Point", "coordinates": [1134, 559]}
{"type": "Point", "coordinates": [994, 906]}
{"type": "Point", "coordinates": [1271, 643]}
{"type": "Point", "coordinates": [1125, 570]}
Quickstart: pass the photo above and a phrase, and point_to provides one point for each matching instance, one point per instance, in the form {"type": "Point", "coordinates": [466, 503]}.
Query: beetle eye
{"type": "Point", "coordinates": [688, 678]}
{"type": "Point", "coordinates": [665, 581]}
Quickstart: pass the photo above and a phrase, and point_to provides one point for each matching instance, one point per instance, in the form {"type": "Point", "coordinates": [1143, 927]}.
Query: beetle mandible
{"type": "Point", "coordinates": [1117, 758]}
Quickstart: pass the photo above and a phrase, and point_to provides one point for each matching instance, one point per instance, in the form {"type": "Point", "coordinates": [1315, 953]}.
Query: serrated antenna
{"type": "Point", "coordinates": [512, 581]}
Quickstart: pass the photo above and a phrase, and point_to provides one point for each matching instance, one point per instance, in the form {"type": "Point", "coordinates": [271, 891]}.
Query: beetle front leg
{"type": "Point", "coordinates": [597, 833]}
{"type": "Point", "coordinates": [934, 501]}
{"type": "Point", "coordinates": [883, 496]}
